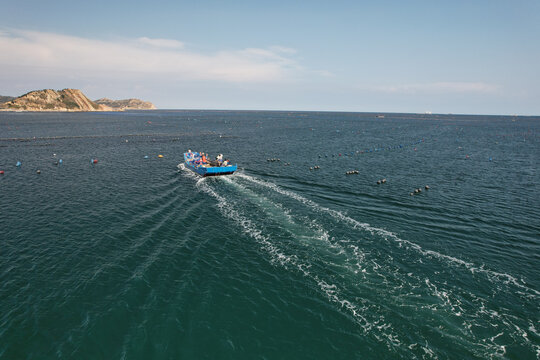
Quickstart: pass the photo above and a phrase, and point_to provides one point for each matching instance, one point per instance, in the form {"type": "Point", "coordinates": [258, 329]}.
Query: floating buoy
{"type": "Point", "coordinates": [411, 194]}
{"type": "Point", "coordinates": [1, 172]}
{"type": "Point", "coordinates": [310, 168]}
{"type": "Point", "coordinates": [427, 187]}
{"type": "Point", "coordinates": [94, 161]}
{"type": "Point", "coordinates": [378, 182]}
{"type": "Point", "coordinates": [39, 171]}
{"type": "Point", "coordinates": [18, 163]}
{"type": "Point", "coordinates": [383, 181]}
{"type": "Point", "coordinates": [146, 156]}
{"type": "Point", "coordinates": [60, 161]}
{"type": "Point", "coordinates": [160, 156]}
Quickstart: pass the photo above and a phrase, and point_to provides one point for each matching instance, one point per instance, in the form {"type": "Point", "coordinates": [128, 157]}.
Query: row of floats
{"type": "Point", "coordinates": [371, 150]}
{"type": "Point", "coordinates": [356, 172]}
{"type": "Point", "coordinates": [57, 162]}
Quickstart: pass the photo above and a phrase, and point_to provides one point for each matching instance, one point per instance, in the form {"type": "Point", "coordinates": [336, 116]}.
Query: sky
{"type": "Point", "coordinates": [460, 57]}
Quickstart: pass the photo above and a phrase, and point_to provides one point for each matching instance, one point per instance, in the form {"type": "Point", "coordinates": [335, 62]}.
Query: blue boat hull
{"type": "Point", "coordinates": [212, 171]}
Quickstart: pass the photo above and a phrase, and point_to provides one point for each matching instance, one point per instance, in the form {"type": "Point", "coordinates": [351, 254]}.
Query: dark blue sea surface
{"type": "Point", "coordinates": [138, 258]}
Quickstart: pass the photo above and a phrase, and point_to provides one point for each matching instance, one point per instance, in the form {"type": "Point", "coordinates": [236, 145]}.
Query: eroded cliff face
{"type": "Point", "coordinates": [70, 100]}
{"type": "Point", "coordinates": [54, 100]}
{"type": "Point", "coordinates": [128, 104]}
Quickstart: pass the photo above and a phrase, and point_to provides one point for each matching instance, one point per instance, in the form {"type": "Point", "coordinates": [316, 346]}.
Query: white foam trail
{"type": "Point", "coordinates": [262, 199]}
{"type": "Point", "coordinates": [249, 228]}
{"type": "Point", "coordinates": [312, 229]}
{"type": "Point", "coordinates": [377, 326]}
{"type": "Point", "coordinates": [446, 296]}
{"type": "Point", "coordinates": [491, 275]}
{"type": "Point", "coordinates": [331, 291]}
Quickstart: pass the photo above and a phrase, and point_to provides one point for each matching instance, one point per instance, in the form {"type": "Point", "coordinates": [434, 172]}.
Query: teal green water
{"type": "Point", "coordinates": [137, 258]}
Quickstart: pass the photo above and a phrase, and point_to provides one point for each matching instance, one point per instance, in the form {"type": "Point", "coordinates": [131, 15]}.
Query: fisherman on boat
{"type": "Point", "coordinates": [202, 164]}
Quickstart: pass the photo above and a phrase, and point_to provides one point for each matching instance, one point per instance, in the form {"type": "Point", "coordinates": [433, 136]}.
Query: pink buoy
{"type": "Point", "coordinates": [1, 172]}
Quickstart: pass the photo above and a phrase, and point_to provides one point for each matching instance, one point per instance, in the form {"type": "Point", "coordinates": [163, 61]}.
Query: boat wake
{"type": "Point", "coordinates": [374, 276]}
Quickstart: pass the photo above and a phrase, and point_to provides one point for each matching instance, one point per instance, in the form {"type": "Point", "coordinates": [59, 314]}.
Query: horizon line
{"type": "Point", "coordinates": [287, 110]}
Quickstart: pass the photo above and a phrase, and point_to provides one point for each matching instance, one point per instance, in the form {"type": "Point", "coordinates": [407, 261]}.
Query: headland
{"type": "Point", "coordinates": [68, 100]}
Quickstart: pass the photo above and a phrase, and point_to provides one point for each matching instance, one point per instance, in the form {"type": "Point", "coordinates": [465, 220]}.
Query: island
{"type": "Point", "coordinates": [69, 100]}
{"type": "Point", "coordinates": [128, 104]}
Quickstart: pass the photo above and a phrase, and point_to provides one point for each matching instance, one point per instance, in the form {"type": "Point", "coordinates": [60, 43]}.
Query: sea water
{"type": "Point", "coordinates": [136, 257]}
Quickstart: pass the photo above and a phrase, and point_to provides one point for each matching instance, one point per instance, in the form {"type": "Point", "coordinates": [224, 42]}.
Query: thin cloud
{"type": "Point", "coordinates": [161, 43]}
{"type": "Point", "coordinates": [143, 57]}
{"type": "Point", "coordinates": [440, 87]}
{"type": "Point", "coordinates": [283, 49]}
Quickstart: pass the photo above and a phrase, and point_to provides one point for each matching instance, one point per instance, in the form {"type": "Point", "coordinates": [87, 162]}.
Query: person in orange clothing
{"type": "Point", "coordinates": [203, 158]}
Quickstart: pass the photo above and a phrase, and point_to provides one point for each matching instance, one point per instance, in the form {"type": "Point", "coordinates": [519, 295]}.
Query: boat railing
{"type": "Point", "coordinates": [195, 160]}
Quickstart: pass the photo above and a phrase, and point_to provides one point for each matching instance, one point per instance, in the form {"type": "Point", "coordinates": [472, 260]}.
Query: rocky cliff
{"type": "Point", "coordinates": [128, 104]}
{"type": "Point", "coordinates": [54, 100]}
{"type": "Point", "coordinates": [69, 100]}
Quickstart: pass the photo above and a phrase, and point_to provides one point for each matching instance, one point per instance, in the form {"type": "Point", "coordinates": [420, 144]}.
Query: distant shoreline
{"type": "Point", "coordinates": [73, 111]}
{"type": "Point", "coordinates": [388, 115]}
{"type": "Point", "coordinates": [69, 100]}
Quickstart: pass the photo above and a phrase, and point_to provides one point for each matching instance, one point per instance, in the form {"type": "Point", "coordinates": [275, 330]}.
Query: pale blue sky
{"type": "Point", "coordinates": [479, 57]}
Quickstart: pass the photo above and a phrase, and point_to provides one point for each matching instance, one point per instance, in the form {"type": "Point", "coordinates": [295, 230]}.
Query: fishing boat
{"type": "Point", "coordinates": [193, 161]}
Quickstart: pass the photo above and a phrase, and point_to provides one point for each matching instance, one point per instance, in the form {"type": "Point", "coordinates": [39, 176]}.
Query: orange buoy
{"type": "Point", "coordinates": [95, 161]}
{"type": "Point", "coordinates": [160, 156]}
